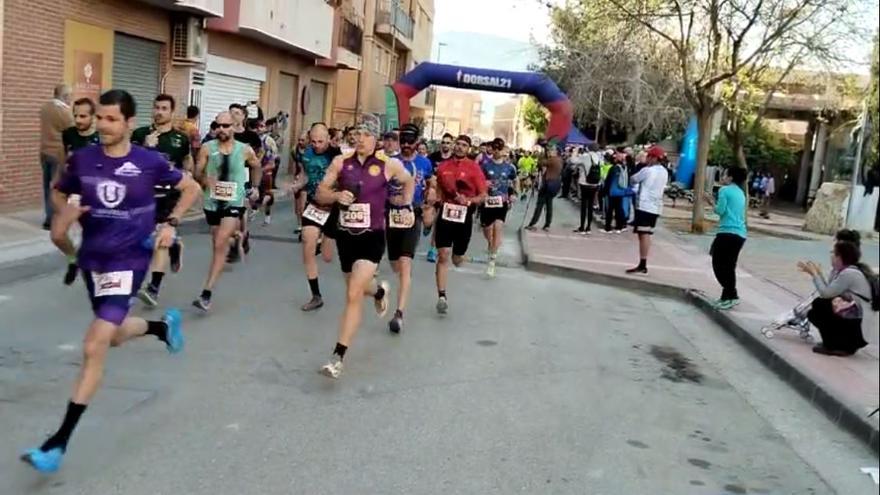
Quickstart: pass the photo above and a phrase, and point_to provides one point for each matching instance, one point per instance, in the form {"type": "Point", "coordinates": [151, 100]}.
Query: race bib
{"type": "Point", "coordinates": [454, 213]}
{"type": "Point", "coordinates": [495, 202]}
{"type": "Point", "coordinates": [316, 214]}
{"type": "Point", "coordinates": [112, 283]}
{"type": "Point", "coordinates": [357, 216]}
{"type": "Point", "coordinates": [225, 191]}
{"type": "Point", "coordinates": [401, 218]}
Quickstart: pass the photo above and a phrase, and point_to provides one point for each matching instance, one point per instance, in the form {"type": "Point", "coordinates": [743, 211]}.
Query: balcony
{"type": "Point", "coordinates": [394, 24]}
{"type": "Point", "coordinates": [302, 26]}
{"type": "Point", "coordinates": [350, 49]}
{"type": "Point", "coordinates": [206, 8]}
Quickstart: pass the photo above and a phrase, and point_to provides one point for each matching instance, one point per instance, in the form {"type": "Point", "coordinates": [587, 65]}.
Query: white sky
{"type": "Point", "coordinates": [515, 19]}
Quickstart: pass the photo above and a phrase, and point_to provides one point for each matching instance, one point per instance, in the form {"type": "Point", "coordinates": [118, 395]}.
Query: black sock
{"type": "Point", "coordinates": [340, 350]}
{"type": "Point", "coordinates": [156, 280]}
{"type": "Point", "coordinates": [398, 314]}
{"type": "Point", "coordinates": [643, 263]}
{"type": "Point", "coordinates": [62, 436]}
{"type": "Point", "coordinates": [442, 293]}
{"type": "Point", "coordinates": [316, 289]}
{"type": "Point", "coordinates": [159, 329]}
{"type": "Point", "coordinates": [380, 293]}
{"type": "Point", "coordinates": [206, 294]}
{"type": "Point", "coordinates": [173, 253]}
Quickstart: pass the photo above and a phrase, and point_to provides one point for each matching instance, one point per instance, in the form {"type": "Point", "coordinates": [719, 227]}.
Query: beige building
{"type": "Point", "coordinates": [509, 126]}
{"type": "Point", "coordinates": [457, 112]}
{"type": "Point", "coordinates": [382, 40]}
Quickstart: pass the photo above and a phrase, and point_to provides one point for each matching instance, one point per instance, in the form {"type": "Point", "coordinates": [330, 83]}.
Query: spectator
{"type": "Point", "coordinates": [589, 180]}
{"type": "Point", "coordinates": [838, 310]}
{"type": "Point", "coordinates": [616, 190]}
{"type": "Point", "coordinates": [768, 189]}
{"type": "Point", "coordinates": [55, 116]}
{"type": "Point", "coordinates": [551, 172]}
{"type": "Point", "coordinates": [731, 236]}
{"type": "Point", "coordinates": [652, 182]}
{"type": "Point", "coordinates": [190, 127]}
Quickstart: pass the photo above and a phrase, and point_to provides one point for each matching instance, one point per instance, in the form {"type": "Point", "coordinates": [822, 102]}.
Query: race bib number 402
{"type": "Point", "coordinates": [113, 283]}
{"type": "Point", "coordinates": [225, 191]}
{"type": "Point", "coordinates": [401, 218]}
{"type": "Point", "coordinates": [357, 216]}
{"type": "Point", "coordinates": [495, 202]}
{"type": "Point", "coordinates": [454, 213]}
{"type": "Point", "coordinates": [316, 214]}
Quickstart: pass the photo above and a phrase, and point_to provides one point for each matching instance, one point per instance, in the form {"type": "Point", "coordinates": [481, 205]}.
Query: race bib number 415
{"type": "Point", "coordinates": [316, 214]}
{"type": "Point", "coordinates": [357, 216]}
{"type": "Point", "coordinates": [113, 283]}
{"type": "Point", "coordinates": [454, 213]}
{"type": "Point", "coordinates": [225, 191]}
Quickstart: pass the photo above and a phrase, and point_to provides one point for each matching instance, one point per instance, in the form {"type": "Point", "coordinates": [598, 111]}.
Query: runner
{"type": "Point", "coordinates": [391, 144]}
{"type": "Point", "coordinates": [359, 184]}
{"type": "Point", "coordinates": [174, 146]}
{"type": "Point", "coordinates": [245, 132]}
{"type": "Point", "coordinates": [295, 171]}
{"type": "Point", "coordinates": [501, 176]}
{"type": "Point", "coordinates": [267, 182]}
{"type": "Point", "coordinates": [109, 190]}
{"type": "Point", "coordinates": [405, 224]}
{"type": "Point", "coordinates": [462, 187]}
{"type": "Point", "coordinates": [83, 132]}
{"type": "Point", "coordinates": [222, 169]}
{"type": "Point", "coordinates": [438, 157]}
{"type": "Point", "coordinates": [319, 219]}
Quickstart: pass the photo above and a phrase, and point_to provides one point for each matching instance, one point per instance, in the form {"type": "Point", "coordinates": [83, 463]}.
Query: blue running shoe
{"type": "Point", "coordinates": [432, 255]}
{"type": "Point", "coordinates": [44, 462]}
{"type": "Point", "coordinates": [173, 319]}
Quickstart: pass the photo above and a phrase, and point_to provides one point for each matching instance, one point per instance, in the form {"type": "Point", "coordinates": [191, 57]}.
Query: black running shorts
{"type": "Point", "coordinates": [368, 245]}
{"type": "Point", "coordinates": [452, 234]}
{"type": "Point", "coordinates": [488, 216]}
{"type": "Point", "coordinates": [403, 242]}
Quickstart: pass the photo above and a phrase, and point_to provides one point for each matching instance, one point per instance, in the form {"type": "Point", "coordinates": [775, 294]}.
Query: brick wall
{"type": "Point", "coordinates": [33, 58]}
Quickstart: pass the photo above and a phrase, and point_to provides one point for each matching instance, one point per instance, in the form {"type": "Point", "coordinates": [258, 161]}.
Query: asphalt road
{"type": "Point", "coordinates": [530, 385]}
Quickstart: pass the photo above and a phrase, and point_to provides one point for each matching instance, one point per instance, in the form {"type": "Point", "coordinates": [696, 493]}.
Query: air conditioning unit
{"type": "Point", "coordinates": [189, 43]}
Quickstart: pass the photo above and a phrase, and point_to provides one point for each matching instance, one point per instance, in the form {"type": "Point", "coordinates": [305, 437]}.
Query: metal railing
{"type": "Point", "coordinates": [390, 12]}
{"type": "Point", "coordinates": [351, 37]}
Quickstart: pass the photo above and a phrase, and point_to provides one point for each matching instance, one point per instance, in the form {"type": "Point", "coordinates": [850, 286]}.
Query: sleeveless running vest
{"type": "Point", "coordinates": [231, 173]}
{"type": "Point", "coordinates": [368, 183]}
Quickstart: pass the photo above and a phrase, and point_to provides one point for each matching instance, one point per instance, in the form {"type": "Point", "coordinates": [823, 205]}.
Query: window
{"type": "Point", "coordinates": [377, 59]}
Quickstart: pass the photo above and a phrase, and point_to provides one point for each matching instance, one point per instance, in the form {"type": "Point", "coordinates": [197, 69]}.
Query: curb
{"type": "Point", "coordinates": [838, 411]}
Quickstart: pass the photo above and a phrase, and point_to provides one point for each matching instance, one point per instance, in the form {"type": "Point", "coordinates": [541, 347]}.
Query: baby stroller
{"type": "Point", "coordinates": [795, 319]}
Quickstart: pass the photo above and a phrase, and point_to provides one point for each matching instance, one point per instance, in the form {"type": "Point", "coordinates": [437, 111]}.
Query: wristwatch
{"type": "Point", "coordinates": [173, 221]}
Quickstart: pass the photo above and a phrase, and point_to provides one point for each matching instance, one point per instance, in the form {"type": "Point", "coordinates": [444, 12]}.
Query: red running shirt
{"type": "Point", "coordinates": [460, 176]}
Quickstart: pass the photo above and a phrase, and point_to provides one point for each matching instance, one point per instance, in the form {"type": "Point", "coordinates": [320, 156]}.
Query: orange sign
{"type": "Point", "coordinates": [88, 73]}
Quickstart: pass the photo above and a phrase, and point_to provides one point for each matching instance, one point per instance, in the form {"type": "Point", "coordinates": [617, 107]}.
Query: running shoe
{"type": "Point", "coordinates": [267, 220]}
{"type": "Point", "coordinates": [315, 303]}
{"type": "Point", "coordinates": [149, 296]}
{"type": "Point", "coordinates": [637, 271]}
{"type": "Point", "coordinates": [173, 320]}
{"type": "Point", "coordinates": [442, 306]}
{"type": "Point", "coordinates": [333, 368]}
{"type": "Point", "coordinates": [726, 304]}
{"type": "Point", "coordinates": [246, 244]}
{"type": "Point", "coordinates": [175, 253]}
{"type": "Point", "coordinates": [44, 462]}
{"type": "Point", "coordinates": [252, 214]}
{"type": "Point", "coordinates": [490, 271]}
{"type": "Point", "coordinates": [396, 324]}
{"type": "Point", "coordinates": [432, 255]}
{"type": "Point", "coordinates": [382, 303]}
{"type": "Point", "coordinates": [203, 303]}
{"type": "Point", "coordinates": [70, 274]}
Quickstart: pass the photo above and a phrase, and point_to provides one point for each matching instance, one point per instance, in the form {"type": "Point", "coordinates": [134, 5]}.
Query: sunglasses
{"type": "Point", "coordinates": [408, 139]}
{"type": "Point", "coordinates": [224, 126]}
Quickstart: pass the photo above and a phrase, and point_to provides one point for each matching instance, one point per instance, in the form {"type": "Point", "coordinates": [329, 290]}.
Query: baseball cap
{"type": "Point", "coordinates": [464, 138]}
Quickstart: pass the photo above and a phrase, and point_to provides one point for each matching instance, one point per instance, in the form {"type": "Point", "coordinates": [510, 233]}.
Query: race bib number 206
{"type": "Point", "coordinates": [357, 216]}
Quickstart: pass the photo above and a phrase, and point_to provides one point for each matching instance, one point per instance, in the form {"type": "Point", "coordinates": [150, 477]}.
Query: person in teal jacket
{"type": "Point", "coordinates": [731, 236]}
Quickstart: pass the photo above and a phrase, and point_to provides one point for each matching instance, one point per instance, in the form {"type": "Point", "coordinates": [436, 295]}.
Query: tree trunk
{"type": "Point", "coordinates": [704, 127]}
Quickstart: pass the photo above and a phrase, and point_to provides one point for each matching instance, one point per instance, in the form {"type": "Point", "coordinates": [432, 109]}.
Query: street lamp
{"type": "Point", "coordinates": [434, 112]}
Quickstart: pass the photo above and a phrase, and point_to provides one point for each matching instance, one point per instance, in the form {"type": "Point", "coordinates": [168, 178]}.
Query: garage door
{"type": "Point", "coordinates": [222, 90]}
{"type": "Point", "coordinates": [136, 70]}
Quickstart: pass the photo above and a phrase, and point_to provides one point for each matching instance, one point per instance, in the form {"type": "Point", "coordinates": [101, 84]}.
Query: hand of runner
{"type": "Point", "coordinates": [462, 200]}
{"type": "Point", "coordinates": [254, 194]}
{"type": "Point", "coordinates": [165, 236]}
{"type": "Point", "coordinates": [152, 140]}
{"type": "Point", "coordinates": [71, 213]}
{"type": "Point", "coordinates": [345, 198]}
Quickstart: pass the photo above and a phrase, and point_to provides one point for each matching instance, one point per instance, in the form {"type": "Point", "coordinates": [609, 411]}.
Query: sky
{"type": "Point", "coordinates": [493, 34]}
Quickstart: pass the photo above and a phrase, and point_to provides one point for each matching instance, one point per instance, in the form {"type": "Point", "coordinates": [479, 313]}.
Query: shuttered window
{"type": "Point", "coordinates": [136, 70]}
{"type": "Point", "coordinates": [221, 91]}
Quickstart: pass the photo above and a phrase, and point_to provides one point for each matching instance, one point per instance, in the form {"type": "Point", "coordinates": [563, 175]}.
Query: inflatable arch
{"type": "Point", "coordinates": [537, 85]}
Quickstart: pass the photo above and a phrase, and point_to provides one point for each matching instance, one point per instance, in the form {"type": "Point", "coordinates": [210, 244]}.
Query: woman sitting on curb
{"type": "Point", "coordinates": [838, 310]}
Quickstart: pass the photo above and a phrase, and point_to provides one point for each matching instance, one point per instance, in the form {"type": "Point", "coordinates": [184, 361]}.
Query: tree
{"type": "Point", "coordinates": [716, 42]}
{"type": "Point", "coordinates": [534, 116]}
{"type": "Point", "coordinates": [873, 159]}
{"type": "Point", "coordinates": [612, 76]}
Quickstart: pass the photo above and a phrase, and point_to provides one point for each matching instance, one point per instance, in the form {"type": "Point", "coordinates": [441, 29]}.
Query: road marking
{"type": "Point", "coordinates": [67, 347]}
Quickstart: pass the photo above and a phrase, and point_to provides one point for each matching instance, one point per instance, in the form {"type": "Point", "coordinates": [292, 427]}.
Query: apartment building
{"type": "Point", "coordinates": [277, 53]}
{"type": "Point", "coordinates": [383, 39]}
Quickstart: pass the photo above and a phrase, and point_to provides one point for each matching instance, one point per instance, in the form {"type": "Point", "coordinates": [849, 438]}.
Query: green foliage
{"type": "Point", "coordinates": [763, 150]}
{"type": "Point", "coordinates": [534, 116]}
{"type": "Point", "coordinates": [873, 158]}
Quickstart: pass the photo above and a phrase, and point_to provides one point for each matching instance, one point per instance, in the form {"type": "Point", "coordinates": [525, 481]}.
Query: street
{"type": "Point", "coordinates": [531, 384]}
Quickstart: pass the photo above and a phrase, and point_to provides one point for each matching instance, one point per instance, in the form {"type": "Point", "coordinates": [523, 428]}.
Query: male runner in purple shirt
{"type": "Point", "coordinates": [109, 190]}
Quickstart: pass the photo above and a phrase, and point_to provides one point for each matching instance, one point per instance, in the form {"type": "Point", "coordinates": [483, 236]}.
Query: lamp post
{"type": "Point", "coordinates": [434, 111]}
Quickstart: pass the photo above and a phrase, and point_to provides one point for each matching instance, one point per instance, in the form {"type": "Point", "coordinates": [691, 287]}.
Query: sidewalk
{"type": "Point", "coordinates": [845, 388]}
{"type": "Point", "coordinates": [784, 225]}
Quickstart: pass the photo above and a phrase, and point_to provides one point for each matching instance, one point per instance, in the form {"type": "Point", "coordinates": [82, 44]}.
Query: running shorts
{"type": "Point", "coordinates": [330, 227]}
{"type": "Point", "coordinates": [452, 234]}
{"type": "Point", "coordinates": [213, 218]}
{"type": "Point", "coordinates": [111, 293]}
{"type": "Point", "coordinates": [645, 222]}
{"type": "Point", "coordinates": [488, 216]}
{"type": "Point", "coordinates": [403, 242]}
{"type": "Point", "coordinates": [368, 245]}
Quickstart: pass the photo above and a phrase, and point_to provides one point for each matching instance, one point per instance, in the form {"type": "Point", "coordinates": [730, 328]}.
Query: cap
{"type": "Point", "coordinates": [465, 138]}
{"type": "Point", "coordinates": [369, 127]}
{"type": "Point", "coordinates": [656, 152]}
{"type": "Point", "coordinates": [390, 135]}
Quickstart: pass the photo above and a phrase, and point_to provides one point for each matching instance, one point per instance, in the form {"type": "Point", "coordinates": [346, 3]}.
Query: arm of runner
{"type": "Point", "coordinates": [482, 187]}
{"type": "Point", "coordinates": [201, 164]}
{"type": "Point", "coordinates": [327, 194]}
{"type": "Point", "coordinates": [253, 163]}
{"type": "Point", "coordinates": [66, 213]}
{"type": "Point", "coordinates": [188, 163]}
{"type": "Point", "coordinates": [403, 177]}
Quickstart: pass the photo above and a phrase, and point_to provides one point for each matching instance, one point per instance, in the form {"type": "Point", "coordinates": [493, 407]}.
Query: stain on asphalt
{"type": "Point", "coordinates": [700, 463]}
{"type": "Point", "coordinates": [735, 489]}
{"type": "Point", "coordinates": [637, 444]}
{"type": "Point", "coordinates": [487, 343]}
{"type": "Point", "coordinates": [697, 483]}
{"type": "Point", "coordinates": [678, 367]}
